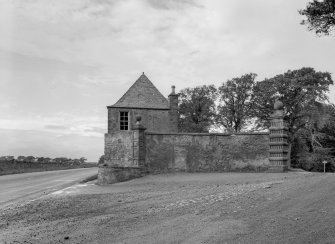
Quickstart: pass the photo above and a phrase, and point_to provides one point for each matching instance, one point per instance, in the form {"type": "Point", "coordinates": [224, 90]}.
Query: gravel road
{"type": "Point", "coordinates": [27, 186]}
{"type": "Point", "coordinates": [295, 207]}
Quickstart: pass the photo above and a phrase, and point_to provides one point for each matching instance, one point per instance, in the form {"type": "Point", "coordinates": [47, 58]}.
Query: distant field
{"type": "Point", "coordinates": [7, 168]}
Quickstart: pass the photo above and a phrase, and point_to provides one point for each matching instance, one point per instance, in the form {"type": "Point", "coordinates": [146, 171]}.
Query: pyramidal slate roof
{"type": "Point", "coordinates": [142, 94]}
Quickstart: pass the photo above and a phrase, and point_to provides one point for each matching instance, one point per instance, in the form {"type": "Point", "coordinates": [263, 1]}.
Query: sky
{"type": "Point", "coordinates": [62, 62]}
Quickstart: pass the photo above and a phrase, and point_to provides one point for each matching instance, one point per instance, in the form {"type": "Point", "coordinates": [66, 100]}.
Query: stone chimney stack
{"type": "Point", "coordinates": [173, 90]}
{"type": "Point", "coordinates": [173, 102]}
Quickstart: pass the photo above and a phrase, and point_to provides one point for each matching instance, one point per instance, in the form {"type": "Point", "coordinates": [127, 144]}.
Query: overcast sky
{"type": "Point", "coordinates": [62, 62]}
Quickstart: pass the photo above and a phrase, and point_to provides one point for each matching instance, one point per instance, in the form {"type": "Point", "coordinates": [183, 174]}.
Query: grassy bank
{"type": "Point", "coordinates": [7, 168]}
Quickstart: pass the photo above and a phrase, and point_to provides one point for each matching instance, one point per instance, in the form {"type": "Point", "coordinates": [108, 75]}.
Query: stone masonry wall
{"type": "Point", "coordinates": [206, 152]}
{"type": "Point", "coordinates": [118, 149]}
{"type": "Point", "coordinates": [153, 120]}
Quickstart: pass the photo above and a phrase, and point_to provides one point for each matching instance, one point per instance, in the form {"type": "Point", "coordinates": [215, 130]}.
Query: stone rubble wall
{"type": "Point", "coordinates": [187, 152]}
{"type": "Point", "coordinates": [169, 152]}
{"type": "Point", "coordinates": [118, 149]}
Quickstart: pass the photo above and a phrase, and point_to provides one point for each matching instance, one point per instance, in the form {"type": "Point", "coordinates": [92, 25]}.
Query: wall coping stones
{"type": "Point", "coordinates": [117, 166]}
{"type": "Point", "coordinates": [207, 134]}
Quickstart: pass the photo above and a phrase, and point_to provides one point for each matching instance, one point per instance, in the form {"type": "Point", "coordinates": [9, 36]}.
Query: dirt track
{"type": "Point", "coordinates": [182, 208]}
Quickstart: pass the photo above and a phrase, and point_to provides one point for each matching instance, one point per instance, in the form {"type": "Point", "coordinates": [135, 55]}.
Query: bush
{"type": "Point", "coordinates": [101, 160]}
{"type": "Point", "coordinates": [313, 162]}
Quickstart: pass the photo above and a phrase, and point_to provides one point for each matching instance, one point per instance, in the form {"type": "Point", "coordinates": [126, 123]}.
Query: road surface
{"type": "Point", "coordinates": [27, 186]}
{"type": "Point", "coordinates": [181, 208]}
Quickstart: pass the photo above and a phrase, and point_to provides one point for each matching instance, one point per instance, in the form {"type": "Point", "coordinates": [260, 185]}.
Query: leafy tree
{"type": "Point", "coordinates": [47, 160]}
{"type": "Point", "coordinates": [316, 142]}
{"type": "Point", "coordinates": [316, 117]}
{"type": "Point", "coordinates": [320, 16]}
{"type": "Point", "coordinates": [329, 128]}
{"type": "Point", "coordinates": [40, 159]}
{"type": "Point", "coordinates": [21, 158]}
{"type": "Point", "coordinates": [10, 158]}
{"type": "Point", "coordinates": [61, 160]}
{"type": "Point", "coordinates": [76, 161]}
{"type": "Point", "coordinates": [7, 158]}
{"type": "Point", "coordinates": [297, 89]}
{"type": "Point", "coordinates": [29, 159]}
{"type": "Point", "coordinates": [82, 160]}
{"type": "Point", "coordinates": [197, 108]}
{"type": "Point", "coordinates": [234, 108]}
{"type": "Point", "coordinates": [303, 93]}
{"type": "Point", "coordinates": [326, 135]}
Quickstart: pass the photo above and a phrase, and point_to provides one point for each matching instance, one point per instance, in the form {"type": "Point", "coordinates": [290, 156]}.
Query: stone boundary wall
{"type": "Point", "coordinates": [206, 152]}
{"type": "Point", "coordinates": [118, 149]}
{"type": "Point", "coordinates": [124, 157]}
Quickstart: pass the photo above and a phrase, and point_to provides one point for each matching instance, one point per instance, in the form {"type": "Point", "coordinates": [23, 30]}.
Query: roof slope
{"type": "Point", "coordinates": [142, 94]}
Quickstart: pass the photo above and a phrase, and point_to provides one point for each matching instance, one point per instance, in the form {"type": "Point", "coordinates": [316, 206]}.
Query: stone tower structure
{"type": "Point", "coordinates": [278, 140]}
{"type": "Point", "coordinates": [143, 99]}
{"type": "Point", "coordinates": [141, 109]}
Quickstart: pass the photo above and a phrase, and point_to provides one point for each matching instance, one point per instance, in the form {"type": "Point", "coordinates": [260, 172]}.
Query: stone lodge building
{"type": "Point", "coordinates": [143, 99]}
{"type": "Point", "coordinates": [143, 138]}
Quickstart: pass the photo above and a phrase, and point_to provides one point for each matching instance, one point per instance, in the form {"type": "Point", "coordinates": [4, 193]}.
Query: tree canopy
{"type": "Point", "coordinates": [234, 108]}
{"type": "Point", "coordinates": [297, 89]}
{"type": "Point", "coordinates": [197, 108]}
{"type": "Point", "coordinates": [320, 16]}
{"type": "Point", "coordinates": [304, 95]}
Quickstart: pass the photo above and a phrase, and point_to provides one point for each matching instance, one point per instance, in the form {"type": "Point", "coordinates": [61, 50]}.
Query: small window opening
{"type": "Point", "coordinates": [124, 121]}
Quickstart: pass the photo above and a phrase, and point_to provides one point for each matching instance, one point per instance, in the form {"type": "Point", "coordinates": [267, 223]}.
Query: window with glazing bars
{"type": "Point", "coordinates": [124, 121]}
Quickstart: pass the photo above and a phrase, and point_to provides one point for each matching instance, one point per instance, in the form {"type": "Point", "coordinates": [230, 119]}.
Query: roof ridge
{"type": "Point", "coordinates": [142, 93]}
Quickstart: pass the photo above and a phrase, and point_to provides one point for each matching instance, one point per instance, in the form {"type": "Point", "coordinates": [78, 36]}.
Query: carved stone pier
{"type": "Point", "coordinates": [124, 155]}
{"type": "Point", "coordinates": [279, 146]}
{"type": "Point", "coordinates": [138, 146]}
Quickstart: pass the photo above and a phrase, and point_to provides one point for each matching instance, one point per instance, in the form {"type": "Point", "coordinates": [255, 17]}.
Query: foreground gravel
{"type": "Point", "coordinates": [181, 208]}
